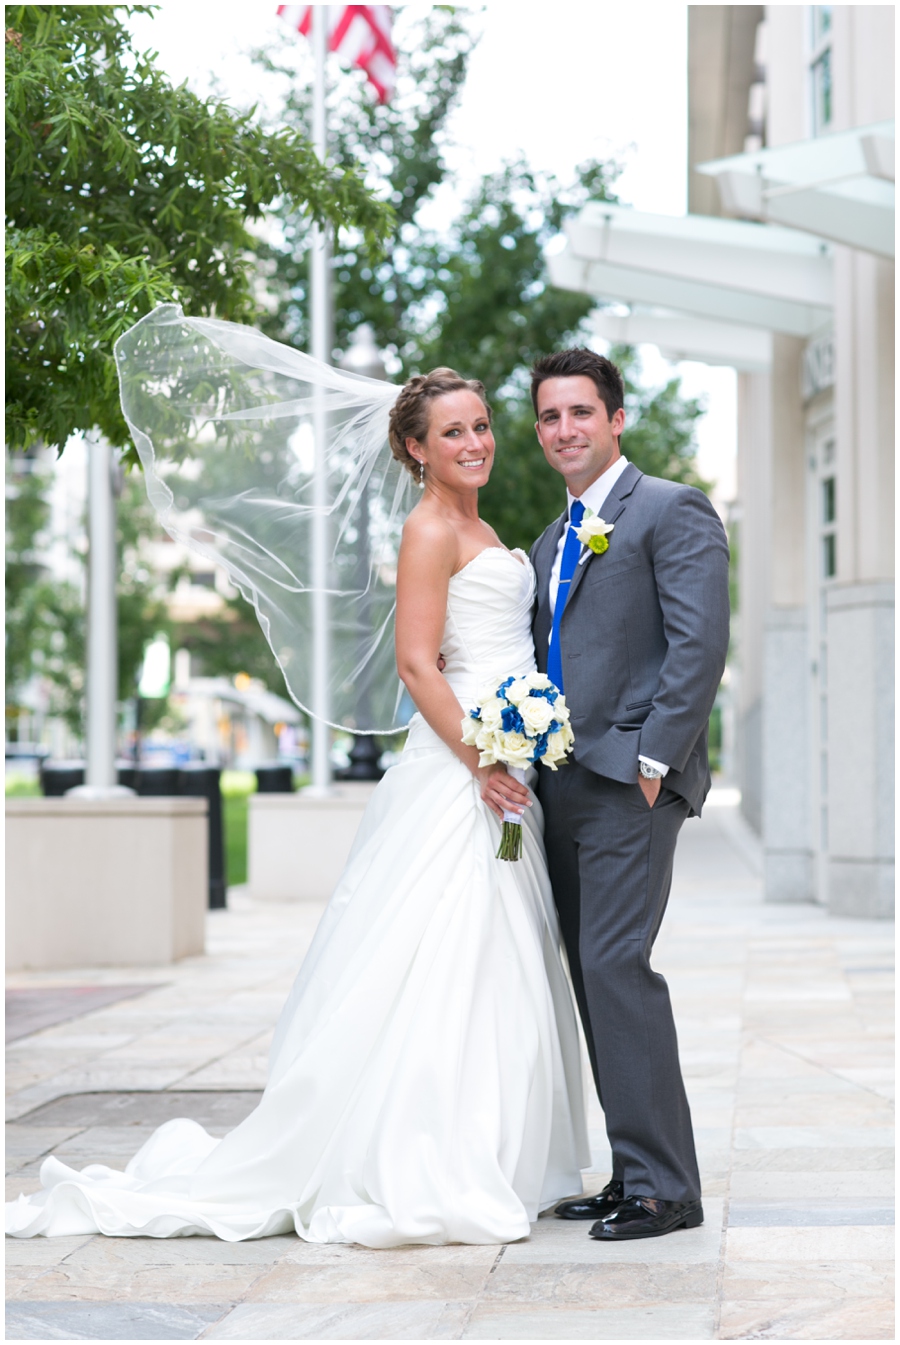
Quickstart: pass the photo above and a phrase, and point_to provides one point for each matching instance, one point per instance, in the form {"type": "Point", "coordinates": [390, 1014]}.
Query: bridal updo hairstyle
{"type": "Point", "coordinates": [411, 412]}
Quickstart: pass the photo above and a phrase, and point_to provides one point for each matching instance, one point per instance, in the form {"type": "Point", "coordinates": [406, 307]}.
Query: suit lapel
{"type": "Point", "coordinates": [543, 565]}
{"type": "Point", "coordinates": [616, 501]}
{"type": "Point", "coordinates": [546, 555]}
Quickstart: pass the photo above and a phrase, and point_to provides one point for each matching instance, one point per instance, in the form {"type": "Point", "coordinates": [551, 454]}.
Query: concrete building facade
{"type": "Point", "coordinates": [816, 492]}
{"type": "Point", "coordinates": [784, 269]}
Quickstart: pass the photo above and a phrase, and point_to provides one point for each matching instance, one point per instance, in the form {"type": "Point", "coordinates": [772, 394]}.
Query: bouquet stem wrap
{"type": "Point", "coordinates": [511, 839]}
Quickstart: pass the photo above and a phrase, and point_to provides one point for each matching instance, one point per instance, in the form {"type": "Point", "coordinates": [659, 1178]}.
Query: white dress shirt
{"type": "Point", "coordinates": [594, 499]}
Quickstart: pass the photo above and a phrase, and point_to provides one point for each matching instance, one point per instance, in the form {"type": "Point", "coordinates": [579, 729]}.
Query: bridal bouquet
{"type": "Point", "coordinates": [519, 722]}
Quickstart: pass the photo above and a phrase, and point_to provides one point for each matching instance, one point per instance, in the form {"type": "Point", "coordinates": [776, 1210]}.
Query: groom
{"type": "Point", "coordinates": [636, 636]}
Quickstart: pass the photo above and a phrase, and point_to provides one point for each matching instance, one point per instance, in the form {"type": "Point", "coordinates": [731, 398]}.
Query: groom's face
{"type": "Point", "coordinates": [579, 439]}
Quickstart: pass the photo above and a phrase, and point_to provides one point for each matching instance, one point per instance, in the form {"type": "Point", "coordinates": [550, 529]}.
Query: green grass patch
{"type": "Point", "coordinates": [234, 820]}
{"type": "Point", "coordinates": [237, 786]}
{"type": "Point", "coordinates": [22, 787]}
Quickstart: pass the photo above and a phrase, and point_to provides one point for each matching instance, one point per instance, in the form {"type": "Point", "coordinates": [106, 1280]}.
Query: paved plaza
{"type": "Point", "coordinates": [784, 1018]}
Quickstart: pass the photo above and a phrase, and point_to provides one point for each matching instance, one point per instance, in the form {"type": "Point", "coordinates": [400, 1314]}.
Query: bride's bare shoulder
{"type": "Point", "coordinates": [426, 534]}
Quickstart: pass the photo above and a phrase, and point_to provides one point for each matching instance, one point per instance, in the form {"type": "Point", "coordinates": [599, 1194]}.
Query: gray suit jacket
{"type": "Point", "coordinates": [644, 633]}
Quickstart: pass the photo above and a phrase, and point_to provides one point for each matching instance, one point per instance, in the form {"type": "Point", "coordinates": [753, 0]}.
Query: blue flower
{"type": "Point", "coordinates": [512, 721]}
{"type": "Point", "coordinates": [546, 693]}
{"type": "Point", "coordinates": [540, 746]}
{"type": "Point", "coordinates": [502, 687]}
{"type": "Point", "coordinates": [475, 714]}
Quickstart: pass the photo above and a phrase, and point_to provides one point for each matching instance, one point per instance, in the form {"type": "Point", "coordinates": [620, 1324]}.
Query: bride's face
{"type": "Point", "coordinates": [458, 451]}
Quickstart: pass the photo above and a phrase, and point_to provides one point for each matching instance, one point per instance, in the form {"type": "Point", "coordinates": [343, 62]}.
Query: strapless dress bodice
{"type": "Point", "coordinates": [488, 628]}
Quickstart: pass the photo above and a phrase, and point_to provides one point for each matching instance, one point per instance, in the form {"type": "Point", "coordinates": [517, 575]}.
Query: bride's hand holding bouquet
{"type": "Point", "coordinates": [521, 721]}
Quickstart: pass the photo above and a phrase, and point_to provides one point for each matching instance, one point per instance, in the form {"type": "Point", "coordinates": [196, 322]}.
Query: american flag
{"type": "Point", "coordinates": [362, 35]}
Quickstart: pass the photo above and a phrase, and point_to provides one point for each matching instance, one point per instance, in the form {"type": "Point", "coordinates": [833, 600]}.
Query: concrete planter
{"type": "Point", "coordinates": [116, 883]}
{"type": "Point", "coordinates": [297, 845]}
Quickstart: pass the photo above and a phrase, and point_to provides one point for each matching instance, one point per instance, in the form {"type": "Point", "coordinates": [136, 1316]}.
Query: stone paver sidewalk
{"type": "Point", "coordinates": [784, 1018]}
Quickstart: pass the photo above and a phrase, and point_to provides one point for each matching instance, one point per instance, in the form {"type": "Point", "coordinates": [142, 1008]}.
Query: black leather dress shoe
{"type": "Point", "coordinates": [592, 1207]}
{"type": "Point", "coordinates": [644, 1217]}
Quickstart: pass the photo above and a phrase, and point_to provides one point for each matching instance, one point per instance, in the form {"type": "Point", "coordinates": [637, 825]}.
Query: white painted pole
{"type": "Point", "coordinates": [320, 278]}
{"type": "Point", "coordinates": [100, 772]}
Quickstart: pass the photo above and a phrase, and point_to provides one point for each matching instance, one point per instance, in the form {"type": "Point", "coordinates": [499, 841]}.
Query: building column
{"type": "Point", "coordinates": [786, 774]}
{"type": "Point", "coordinates": [860, 861]}
{"type": "Point", "coordinates": [752, 542]}
{"type": "Point", "coordinates": [860, 605]}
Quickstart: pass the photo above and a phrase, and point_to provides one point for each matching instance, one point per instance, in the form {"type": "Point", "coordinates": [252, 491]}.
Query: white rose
{"type": "Point", "coordinates": [486, 742]}
{"type": "Point", "coordinates": [592, 526]}
{"type": "Point", "coordinates": [556, 749]}
{"type": "Point", "coordinates": [470, 730]}
{"type": "Point", "coordinates": [515, 749]}
{"type": "Point", "coordinates": [491, 713]}
{"type": "Point", "coordinates": [489, 691]}
{"type": "Point", "coordinates": [537, 681]}
{"type": "Point", "coordinates": [537, 714]}
{"type": "Point", "coordinates": [516, 693]}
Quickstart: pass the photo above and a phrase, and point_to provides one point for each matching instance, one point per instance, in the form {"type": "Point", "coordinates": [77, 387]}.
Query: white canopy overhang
{"type": "Point", "coordinates": [839, 186]}
{"type": "Point", "coordinates": [680, 336]}
{"type": "Point", "coordinates": [726, 270]}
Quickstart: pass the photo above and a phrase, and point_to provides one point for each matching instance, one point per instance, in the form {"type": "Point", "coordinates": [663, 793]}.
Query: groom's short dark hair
{"type": "Point", "coordinates": [579, 361]}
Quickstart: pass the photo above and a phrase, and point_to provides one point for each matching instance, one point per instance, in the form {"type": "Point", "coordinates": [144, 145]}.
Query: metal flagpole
{"type": "Point", "coordinates": [320, 278]}
{"type": "Point", "coordinates": [101, 688]}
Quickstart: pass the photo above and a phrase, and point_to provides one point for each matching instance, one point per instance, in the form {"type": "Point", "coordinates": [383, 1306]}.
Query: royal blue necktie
{"type": "Point", "coordinates": [571, 552]}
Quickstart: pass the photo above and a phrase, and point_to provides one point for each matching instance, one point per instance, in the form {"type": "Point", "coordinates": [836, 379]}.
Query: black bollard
{"type": "Point", "coordinates": [157, 782]}
{"type": "Point", "coordinates": [275, 778]}
{"type": "Point", "coordinates": [364, 756]}
{"type": "Point", "coordinates": [202, 781]}
{"type": "Point", "coordinates": [57, 777]}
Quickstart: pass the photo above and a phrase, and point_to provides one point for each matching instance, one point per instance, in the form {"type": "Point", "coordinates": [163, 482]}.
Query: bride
{"type": "Point", "coordinates": [424, 1082]}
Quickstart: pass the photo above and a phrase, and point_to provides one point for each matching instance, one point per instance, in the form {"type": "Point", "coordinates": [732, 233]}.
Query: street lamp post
{"type": "Point", "coordinates": [101, 680]}
{"type": "Point", "coordinates": [364, 358]}
{"type": "Point", "coordinates": [320, 332]}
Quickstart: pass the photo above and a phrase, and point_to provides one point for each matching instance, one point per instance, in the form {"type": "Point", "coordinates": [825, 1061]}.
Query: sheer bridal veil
{"type": "Point", "coordinates": [222, 418]}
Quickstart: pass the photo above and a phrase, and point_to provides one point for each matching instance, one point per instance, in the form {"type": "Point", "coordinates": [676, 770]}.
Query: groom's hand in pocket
{"type": "Point", "coordinates": [650, 789]}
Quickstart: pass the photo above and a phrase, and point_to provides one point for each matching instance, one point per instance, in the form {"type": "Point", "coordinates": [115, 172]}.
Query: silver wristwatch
{"type": "Point", "coordinates": [649, 772]}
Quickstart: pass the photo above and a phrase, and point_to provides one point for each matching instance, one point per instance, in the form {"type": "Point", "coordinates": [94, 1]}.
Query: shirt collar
{"type": "Point", "coordinates": [595, 496]}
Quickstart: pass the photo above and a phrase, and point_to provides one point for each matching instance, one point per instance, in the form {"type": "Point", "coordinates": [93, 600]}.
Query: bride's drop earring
{"type": "Point", "coordinates": [421, 476]}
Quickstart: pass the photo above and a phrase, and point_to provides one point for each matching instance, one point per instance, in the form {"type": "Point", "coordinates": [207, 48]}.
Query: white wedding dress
{"type": "Point", "coordinates": [425, 1080]}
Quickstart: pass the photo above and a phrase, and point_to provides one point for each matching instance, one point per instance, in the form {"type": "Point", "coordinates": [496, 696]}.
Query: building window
{"type": "Point", "coordinates": [821, 15]}
{"type": "Point", "coordinates": [829, 524]}
{"type": "Point", "coordinates": [820, 68]}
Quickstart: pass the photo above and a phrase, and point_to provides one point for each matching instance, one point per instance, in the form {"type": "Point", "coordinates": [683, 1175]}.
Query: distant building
{"type": "Point", "coordinates": [784, 269]}
{"type": "Point", "coordinates": [232, 721]}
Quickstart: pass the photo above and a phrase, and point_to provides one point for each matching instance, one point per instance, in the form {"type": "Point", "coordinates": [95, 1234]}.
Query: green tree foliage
{"type": "Point", "coordinates": [140, 603]}
{"type": "Point", "coordinates": [228, 644]}
{"type": "Point", "coordinates": [399, 149]}
{"type": "Point", "coordinates": [122, 192]}
{"type": "Point", "coordinates": [497, 314]}
{"type": "Point", "coordinates": [475, 295]}
{"type": "Point", "coordinates": [45, 627]}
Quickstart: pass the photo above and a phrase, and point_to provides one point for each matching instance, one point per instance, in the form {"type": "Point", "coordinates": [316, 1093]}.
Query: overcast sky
{"type": "Point", "coordinates": [558, 83]}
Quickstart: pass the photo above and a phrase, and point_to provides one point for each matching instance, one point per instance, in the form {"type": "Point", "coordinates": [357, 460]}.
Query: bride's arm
{"type": "Point", "coordinates": [428, 557]}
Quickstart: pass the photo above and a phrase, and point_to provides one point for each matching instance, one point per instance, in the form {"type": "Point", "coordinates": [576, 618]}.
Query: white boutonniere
{"type": "Point", "coordinates": [594, 533]}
